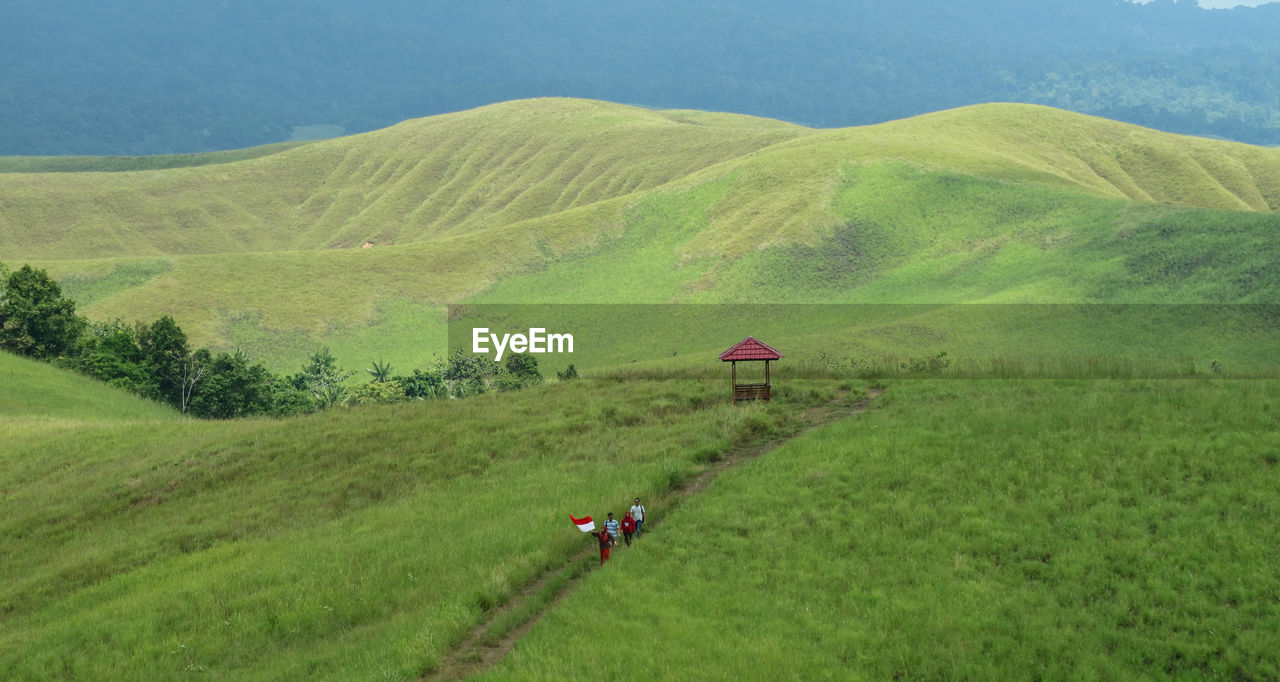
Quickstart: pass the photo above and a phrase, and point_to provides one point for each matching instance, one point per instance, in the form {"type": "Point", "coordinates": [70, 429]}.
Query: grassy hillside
{"type": "Point", "coordinates": [364, 543]}
{"type": "Point", "coordinates": [505, 163]}
{"type": "Point", "coordinates": [1001, 527]}
{"type": "Point", "coordinates": [33, 393]}
{"type": "Point", "coordinates": [990, 530]}
{"type": "Point", "coordinates": [576, 201]}
{"type": "Point", "coordinates": [352, 544]}
{"type": "Point", "coordinates": [1017, 143]}
{"type": "Point", "coordinates": [886, 340]}
{"type": "Point", "coordinates": [419, 180]}
{"type": "Point", "coordinates": [893, 232]}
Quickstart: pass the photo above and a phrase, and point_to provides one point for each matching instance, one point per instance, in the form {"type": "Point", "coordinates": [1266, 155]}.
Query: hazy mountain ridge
{"type": "Point", "coordinates": [144, 78]}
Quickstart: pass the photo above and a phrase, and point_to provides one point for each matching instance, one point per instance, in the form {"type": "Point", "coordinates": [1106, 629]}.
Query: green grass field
{"type": "Point", "coordinates": [960, 530]}
{"type": "Point", "coordinates": [353, 544]}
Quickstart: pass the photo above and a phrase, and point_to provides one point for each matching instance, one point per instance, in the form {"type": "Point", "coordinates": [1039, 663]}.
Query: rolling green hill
{"type": "Point", "coordinates": [418, 181]}
{"type": "Point", "coordinates": [507, 163]}
{"type": "Point", "coordinates": [33, 392]}
{"type": "Point", "coordinates": [577, 201]}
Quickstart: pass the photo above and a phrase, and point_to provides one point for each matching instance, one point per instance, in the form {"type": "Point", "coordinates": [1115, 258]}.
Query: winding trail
{"type": "Point", "coordinates": [486, 644]}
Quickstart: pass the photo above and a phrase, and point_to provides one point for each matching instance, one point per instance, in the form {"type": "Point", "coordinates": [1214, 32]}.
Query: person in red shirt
{"type": "Point", "coordinates": [606, 541]}
{"type": "Point", "coordinates": [628, 527]}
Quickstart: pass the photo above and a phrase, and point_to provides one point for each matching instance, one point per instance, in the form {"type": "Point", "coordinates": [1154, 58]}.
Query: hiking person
{"type": "Point", "coordinates": [605, 543]}
{"type": "Point", "coordinates": [628, 527]}
{"type": "Point", "coordinates": [637, 513]}
{"type": "Point", "coordinates": [612, 527]}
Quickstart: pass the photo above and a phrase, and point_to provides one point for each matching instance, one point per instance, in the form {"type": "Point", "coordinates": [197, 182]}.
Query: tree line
{"type": "Point", "coordinates": [156, 361]}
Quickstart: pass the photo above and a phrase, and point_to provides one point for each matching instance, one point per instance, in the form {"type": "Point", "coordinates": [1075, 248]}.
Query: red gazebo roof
{"type": "Point", "coordinates": [750, 349]}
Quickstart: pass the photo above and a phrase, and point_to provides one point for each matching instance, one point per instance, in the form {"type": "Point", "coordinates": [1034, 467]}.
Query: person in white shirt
{"type": "Point", "coordinates": [637, 513]}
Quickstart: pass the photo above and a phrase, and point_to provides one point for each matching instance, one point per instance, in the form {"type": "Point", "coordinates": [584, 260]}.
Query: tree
{"type": "Point", "coordinates": [332, 394]}
{"type": "Point", "coordinates": [232, 387]}
{"type": "Point", "coordinates": [322, 378]}
{"type": "Point", "coordinates": [35, 319]}
{"type": "Point", "coordinates": [381, 371]}
{"type": "Point", "coordinates": [466, 375]}
{"type": "Point", "coordinates": [110, 352]}
{"type": "Point", "coordinates": [288, 400]}
{"type": "Point", "coordinates": [191, 370]}
{"type": "Point", "coordinates": [165, 356]}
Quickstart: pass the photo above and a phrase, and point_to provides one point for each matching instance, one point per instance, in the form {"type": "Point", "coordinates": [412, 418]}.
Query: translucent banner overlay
{"type": "Point", "coordinates": [1014, 341]}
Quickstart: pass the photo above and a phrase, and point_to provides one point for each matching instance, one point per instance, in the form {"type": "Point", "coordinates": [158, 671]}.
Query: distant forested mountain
{"type": "Point", "coordinates": [157, 76]}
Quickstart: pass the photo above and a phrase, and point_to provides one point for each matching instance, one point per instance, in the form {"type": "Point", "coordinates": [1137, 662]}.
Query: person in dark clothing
{"type": "Point", "coordinates": [628, 528]}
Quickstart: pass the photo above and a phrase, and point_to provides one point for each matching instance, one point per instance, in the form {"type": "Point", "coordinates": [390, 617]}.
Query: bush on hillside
{"type": "Point", "coordinates": [570, 372]}
{"type": "Point", "coordinates": [423, 385]}
{"type": "Point", "coordinates": [376, 393]}
{"type": "Point", "coordinates": [523, 367]}
{"type": "Point", "coordinates": [466, 375]}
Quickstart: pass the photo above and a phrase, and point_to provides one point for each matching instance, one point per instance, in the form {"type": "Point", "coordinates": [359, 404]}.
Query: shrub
{"type": "Point", "coordinates": [423, 385]}
{"type": "Point", "coordinates": [376, 393]}
{"type": "Point", "coordinates": [569, 373]}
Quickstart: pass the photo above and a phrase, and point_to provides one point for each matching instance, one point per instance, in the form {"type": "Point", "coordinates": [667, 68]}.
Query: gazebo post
{"type": "Point", "coordinates": [733, 373]}
{"type": "Point", "coordinates": [766, 374]}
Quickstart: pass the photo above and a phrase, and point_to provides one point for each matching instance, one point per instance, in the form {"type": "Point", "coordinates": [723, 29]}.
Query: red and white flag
{"type": "Point", "coordinates": [584, 524]}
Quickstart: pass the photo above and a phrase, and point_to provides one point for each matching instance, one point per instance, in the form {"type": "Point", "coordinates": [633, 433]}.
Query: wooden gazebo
{"type": "Point", "coordinates": [750, 350]}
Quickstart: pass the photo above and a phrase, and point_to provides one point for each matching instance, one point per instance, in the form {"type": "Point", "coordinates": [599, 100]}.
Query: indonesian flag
{"type": "Point", "coordinates": [584, 524]}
